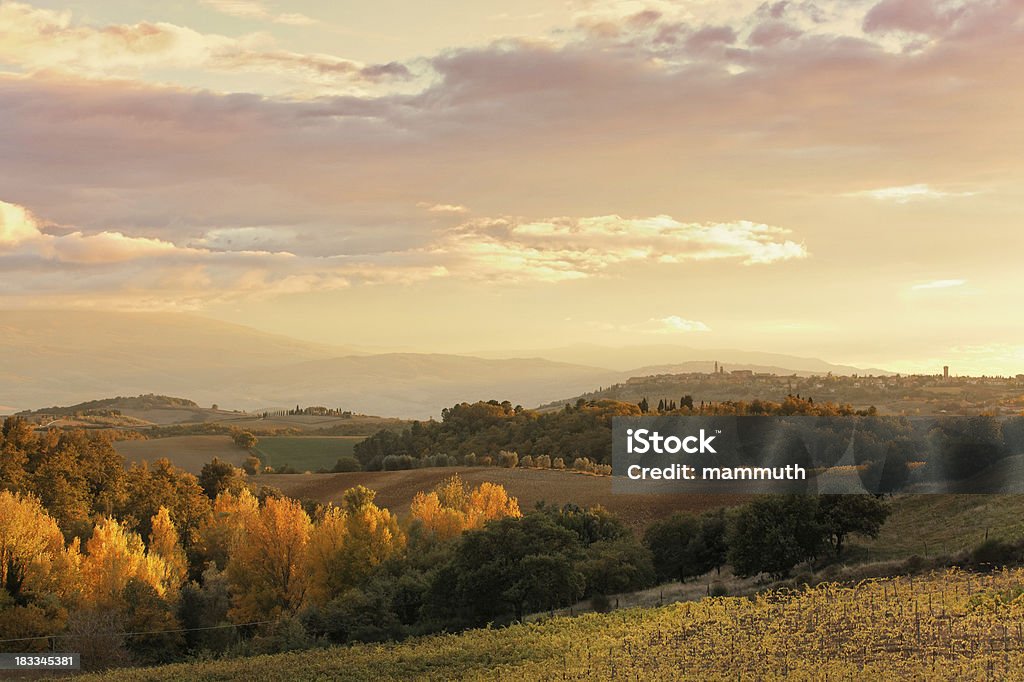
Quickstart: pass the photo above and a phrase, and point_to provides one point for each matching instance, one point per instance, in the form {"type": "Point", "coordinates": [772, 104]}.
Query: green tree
{"type": "Point", "coordinates": [843, 515]}
{"type": "Point", "coordinates": [773, 534]}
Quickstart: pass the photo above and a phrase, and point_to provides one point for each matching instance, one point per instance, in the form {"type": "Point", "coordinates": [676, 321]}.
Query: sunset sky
{"type": "Point", "coordinates": [841, 179]}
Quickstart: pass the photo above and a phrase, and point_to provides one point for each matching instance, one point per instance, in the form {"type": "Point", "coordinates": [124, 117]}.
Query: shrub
{"type": "Point", "coordinates": [558, 463]}
{"type": "Point", "coordinates": [347, 463]}
{"type": "Point", "coordinates": [994, 553]}
{"type": "Point", "coordinates": [542, 461]}
{"type": "Point", "coordinates": [601, 603]}
{"type": "Point", "coordinates": [508, 459]}
{"type": "Point", "coordinates": [399, 462]}
{"type": "Point", "coordinates": [526, 462]}
{"type": "Point", "coordinates": [252, 465]}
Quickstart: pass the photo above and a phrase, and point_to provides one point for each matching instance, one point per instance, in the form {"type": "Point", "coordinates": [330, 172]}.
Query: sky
{"type": "Point", "coordinates": [841, 179]}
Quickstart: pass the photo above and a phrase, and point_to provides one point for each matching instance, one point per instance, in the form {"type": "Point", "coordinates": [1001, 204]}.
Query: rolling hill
{"type": "Point", "coordinates": [63, 357]}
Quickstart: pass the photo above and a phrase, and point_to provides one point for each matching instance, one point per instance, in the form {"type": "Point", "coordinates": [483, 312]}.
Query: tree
{"type": "Point", "coordinates": [452, 507]}
{"type": "Point", "coordinates": [349, 544]}
{"type": "Point", "coordinates": [266, 571]}
{"type": "Point", "coordinates": [968, 445]}
{"type": "Point", "coordinates": [670, 543]}
{"type": "Point", "coordinates": [218, 476]}
{"type": "Point", "coordinates": [31, 545]}
{"type": "Point", "coordinates": [114, 556]}
{"type": "Point", "coordinates": [164, 485]}
{"type": "Point", "coordinates": [773, 534]}
{"type": "Point", "coordinates": [219, 533]}
{"type": "Point", "coordinates": [245, 440]}
{"type": "Point", "coordinates": [620, 565]}
{"type": "Point", "coordinates": [843, 515]}
{"type": "Point", "coordinates": [164, 543]}
{"type": "Point", "coordinates": [507, 567]}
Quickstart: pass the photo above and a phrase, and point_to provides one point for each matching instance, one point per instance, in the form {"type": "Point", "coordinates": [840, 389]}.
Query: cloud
{"type": "Point", "coordinates": [40, 39]}
{"type": "Point", "coordinates": [443, 208]}
{"type": "Point", "coordinates": [908, 193]}
{"type": "Point", "coordinates": [230, 262]}
{"type": "Point", "coordinates": [573, 248]}
{"type": "Point", "coordinates": [940, 284]}
{"type": "Point", "coordinates": [21, 237]}
{"type": "Point", "coordinates": [674, 323]}
{"type": "Point", "coordinates": [251, 9]}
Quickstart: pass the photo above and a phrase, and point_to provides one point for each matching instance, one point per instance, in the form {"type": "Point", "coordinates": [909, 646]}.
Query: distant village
{"type": "Point", "coordinates": [900, 394]}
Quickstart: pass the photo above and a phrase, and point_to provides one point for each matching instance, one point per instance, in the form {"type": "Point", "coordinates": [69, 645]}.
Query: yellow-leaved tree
{"type": "Point", "coordinates": [114, 556]}
{"type": "Point", "coordinates": [349, 543]}
{"type": "Point", "coordinates": [220, 532]}
{"type": "Point", "coordinates": [164, 543]}
{"type": "Point", "coordinates": [452, 507]}
{"type": "Point", "coordinates": [33, 558]}
{"type": "Point", "coordinates": [266, 569]}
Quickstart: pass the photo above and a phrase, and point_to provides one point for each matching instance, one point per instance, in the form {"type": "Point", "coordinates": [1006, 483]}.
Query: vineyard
{"type": "Point", "coordinates": [955, 625]}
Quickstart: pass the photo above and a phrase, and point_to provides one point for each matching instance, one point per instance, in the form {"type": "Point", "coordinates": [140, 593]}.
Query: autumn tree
{"type": "Point", "coordinates": [452, 507]}
{"type": "Point", "coordinates": [349, 543]}
{"type": "Point", "coordinates": [114, 556]}
{"type": "Point", "coordinates": [164, 543]}
{"type": "Point", "coordinates": [266, 571]}
{"type": "Point", "coordinates": [218, 533]}
{"type": "Point", "coordinates": [31, 548]}
{"type": "Point", "coordinates": [162, 484]}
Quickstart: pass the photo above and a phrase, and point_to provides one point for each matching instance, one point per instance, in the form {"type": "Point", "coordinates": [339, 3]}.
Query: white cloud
{"type": "Point", "coordinates": [254, 261]}
{"type": "Point", "coordinates": [443, 208]}
{"type": "Point", "coordinates": [251, 9]}
{"type": "Point", "coordinates": [573, 248]}
{"type": "Point", "coordinates": [908, 193]}
{"type": "Point", "coordinates": [674, 323]}
{"type": "Point", "coordinates": [940, 284]}
{"type": "Point", "coordinates": [38, 39]}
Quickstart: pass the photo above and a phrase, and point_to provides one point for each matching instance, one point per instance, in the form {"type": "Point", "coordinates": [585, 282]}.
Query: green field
{"type": "Point", "coordinates": [305, 453]}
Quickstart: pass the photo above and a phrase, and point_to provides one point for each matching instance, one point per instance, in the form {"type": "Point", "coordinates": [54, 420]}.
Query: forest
{"type": "Point", "coordinates": [150, 564]}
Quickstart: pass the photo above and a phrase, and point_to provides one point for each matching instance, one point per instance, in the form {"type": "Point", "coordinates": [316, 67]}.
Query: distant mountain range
{"type": "Point", "coordinates": [685, 358]}
{"type": "Point", "coordinates": [49, 358]}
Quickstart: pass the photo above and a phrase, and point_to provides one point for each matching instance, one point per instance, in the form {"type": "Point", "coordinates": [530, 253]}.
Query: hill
{"type": "Point", "coordinates": [67, 357]}
{"type": "Point", "coordinates": [629, 358]}
{"type": "Point", "coordinates": [414, 385]}
{"type": "Point", "coordinates": [950, 626]}
{"type": "Point", "coordinates": [63, 357]}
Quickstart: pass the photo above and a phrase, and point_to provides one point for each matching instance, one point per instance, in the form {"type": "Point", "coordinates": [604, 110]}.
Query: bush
{"type": "Point", "coordinates": [470, 459]}
{"type": "Point", "coordinates": [995, 553]}
{"type": "Point", "coordinates": [347, 463]}
{"type": "Point", "coordinates": [601, 603]}
{"type": "Point", "coordinates": [485, 461]}
{"type": "Point", "coordinates": [719, 590]}
{"type": "Point", "coordinates": [252, 465]}
{"type": "Point", "coordinates": [542, 461]}
{"type": "Point", "coordinates": [526, 462]}
{"type": "Point", "coordinates": [508, 459]}
{"type": "Point", "coordinates": [246, 440]}
{"type": "Point", "coordinates": [400, 462]}
{"type": "Point", "coordinates": [558, 463]}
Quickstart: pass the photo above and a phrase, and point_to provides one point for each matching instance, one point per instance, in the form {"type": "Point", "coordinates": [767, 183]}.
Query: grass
{"type": "Point", "coordinates": [931, 525]}
{"type": "Point", "coordinates": [305, 453]}
{"type": "Point", "coordinates": [188, 452]}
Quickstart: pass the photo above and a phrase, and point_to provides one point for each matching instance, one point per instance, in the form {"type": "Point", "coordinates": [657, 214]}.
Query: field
{"type": "Point", "coordinates": [395, 490]}
{"type": "Point", "coordinates": [954, 625]}
{"type": "Point", "coordinates": [188, 452]}
{"type": "Point", "coordinates": [305, 453]}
